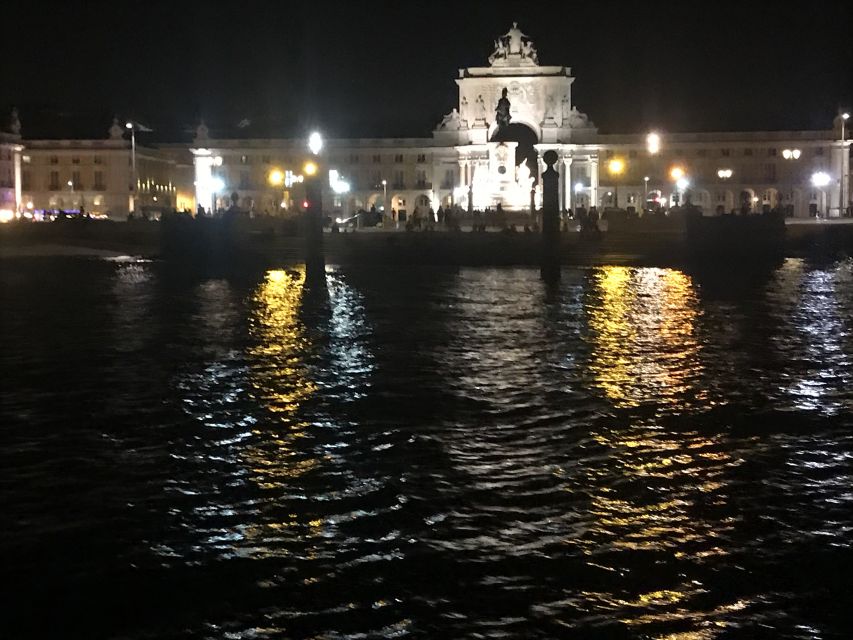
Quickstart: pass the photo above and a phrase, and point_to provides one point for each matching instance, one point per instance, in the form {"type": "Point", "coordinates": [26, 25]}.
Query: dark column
{"type": "Point", "coordinates": [315, 259]}
{"type": "Point", "coordinates": [550, 264]}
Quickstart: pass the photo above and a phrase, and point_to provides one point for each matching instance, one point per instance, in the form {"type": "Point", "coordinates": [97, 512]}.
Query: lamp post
{"type": "Point", "coordinates": [645, 191]}
{"type": "Point", "coordinates": [129, 125]}
{"type": "Point", "coordinates": [791, 154]}
{"type": "Point", "coordinates": [677, 175]}
{"type": "Point", "coordinates": [616, 167]}
{"type": "Point", "coordinates": [724, 175]}
{"type": "Point", "coordinates": [819, 180]}
{"type": "Point", "coordinates": [385, 201]}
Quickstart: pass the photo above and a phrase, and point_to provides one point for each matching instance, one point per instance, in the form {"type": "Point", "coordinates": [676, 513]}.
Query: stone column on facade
{"type": "Point", "coordinates": [17, 159]}
{"type": "Point", "coordinates": [845, 177]}
{"type": "Point", "coordinates": [593, 182]}
{"type": "Point", "coordinates": [567, 184]}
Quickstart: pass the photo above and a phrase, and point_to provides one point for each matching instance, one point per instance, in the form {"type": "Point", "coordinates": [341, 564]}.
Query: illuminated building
{"type": "Point", "coordinates": [467, 160]}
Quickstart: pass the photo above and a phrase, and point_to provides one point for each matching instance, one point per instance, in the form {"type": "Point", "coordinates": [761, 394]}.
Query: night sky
{"type": "Point", "coordinates": [387, 68]}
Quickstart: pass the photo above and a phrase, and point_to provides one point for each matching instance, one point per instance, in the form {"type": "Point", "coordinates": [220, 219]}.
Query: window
{"type": "Point", "coordinates": [376, 179]}
{"type": "Point", "coordinates": [353, 158]}
{"type": "Point", "coordinates": [421, 158]}
{"type": "Point", "coordinates": [99, 181]}
{"type": "Point", "coordinates": [725, 152]}
{"type": "Point", "coordinates": [770, 172]}
{"type": "Point", "coordinates": [377, 158]}
{"type": "Point", "coordinates": [771, 153]}
{"type": "Point", "coordinates": [75, 180]}
{"type": "Point", "coordinates": [53, 185]}
{"type": "Point", "coordinates": [244, 179]}
{"type": "Point", "coordinates": [747, 152]}
{"type": "Point", "coordinates": [609, 153]}
{"type": "Point", "coordinates": [26, 180]}
{"type": "Point", "coordinates": [54, 160]}
{"type": "Point", "coordinates": [398, 180]}
{"type": "Point", "coordinates": [99, 160]}
{"type": "Point", "coordinates": [75, 159]}
{"type": "Point", "coordinates": [244, 159]}
{"type": "Point", "coordinates": [421, 179]}
{"type": "Point", "coordinates": [398, 158]}
{"type": "Point", "coordinates": [721, 197]}
{"type": "Point", "coordinates": [449, 178]}
{"type": "Point", "coordinates": [818, 151]}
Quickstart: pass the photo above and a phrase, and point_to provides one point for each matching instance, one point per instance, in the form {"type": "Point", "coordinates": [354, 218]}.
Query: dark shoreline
{"type": "Point", "coordinates": [272, 244]}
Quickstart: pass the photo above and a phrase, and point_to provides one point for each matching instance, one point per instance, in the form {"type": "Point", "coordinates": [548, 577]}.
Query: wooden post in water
{"type": "Point", "coordinates": [550, 260]}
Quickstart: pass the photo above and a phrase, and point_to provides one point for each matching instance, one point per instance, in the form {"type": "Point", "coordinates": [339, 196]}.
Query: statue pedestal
{"type": "Point", "coordinates": [479, 132]}
{"type": "Point", "coordinates": [550, 130]}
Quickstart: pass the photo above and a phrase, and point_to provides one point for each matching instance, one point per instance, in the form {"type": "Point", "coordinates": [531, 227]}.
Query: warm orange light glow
{"type": "Point", "coordinates": [310, 168]}
{"type": "Point", "coordinates": [676, 173]}
{"type": "Point", "coordinates": [616, 166]}
{"type": "Point", "coordinates": [276, 177]}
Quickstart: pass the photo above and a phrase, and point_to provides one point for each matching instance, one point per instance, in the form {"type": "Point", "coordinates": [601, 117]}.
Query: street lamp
{"type": "Point", "coordinates": [676, 173]}
{"type": "Point", "coordinates": [385, 202]}
{"type": "Point", "coordinates": [791, 154]}
{"type": "Point", "coordinates": [645, 191]}
{"type": "Point", "coordinates": [820, 179]}
{"type": "Point", "coordinates": [129, 125]}
{"type": "Point", "coordinates": [315, 143]}
{"type": "Point", "coordinates": [616, 167]}
{"type": "Point", "coordinates": [653, 143]}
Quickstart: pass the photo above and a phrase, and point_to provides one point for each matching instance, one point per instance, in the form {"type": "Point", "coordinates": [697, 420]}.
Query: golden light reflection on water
{"type": "Point", "coordinates": [642, 332]}
{"type": "Point", "coordinates": [278, 378]}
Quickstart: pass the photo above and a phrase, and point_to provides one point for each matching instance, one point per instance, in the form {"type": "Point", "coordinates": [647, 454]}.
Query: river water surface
{"type": "Point", "coordinates": [425, 453]}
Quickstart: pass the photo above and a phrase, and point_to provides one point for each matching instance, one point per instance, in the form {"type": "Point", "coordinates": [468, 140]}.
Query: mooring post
{"type": "Point", "coordinates": [315, 259]}
{"type": "Point", "coordinates": [550, 260]}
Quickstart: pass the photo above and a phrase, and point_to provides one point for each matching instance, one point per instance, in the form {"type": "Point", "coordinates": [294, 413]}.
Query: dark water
{"type": "Point", "coordinates": [638, 453]}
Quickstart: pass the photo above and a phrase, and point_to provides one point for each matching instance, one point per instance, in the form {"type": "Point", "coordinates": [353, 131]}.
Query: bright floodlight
{"type": "Point", "coordinates": [578, 187]}
{"type": "Point", "coordinates": [216, 184]}
{"type": "Point", "coordinates": [616, 166]}
{"type": "Point", "coordinates": [796, 153]}
{"type": "Point", "coordinates": [315, 143]}
{"type": "Point", "coordinates": [845, 115]}
{"type": "Point", "coordinates": [820, 178]}
{"type": "Point", "coordinates": [653, 143]}
{"type": "Point", "coordinates": [276, 177]}
{"type": "Point", "coordinates": [787, 153]}
{"type": "Point", "coordinates": [676, 173]}
{"type": "Point", "coordinates": [682, 183]}
{"type": "Point", "coordinates": [384, 183]}
{"type": "Point", "coordinates": [129, 125]}
{"type": "Point", "coordinates": [724, 173]}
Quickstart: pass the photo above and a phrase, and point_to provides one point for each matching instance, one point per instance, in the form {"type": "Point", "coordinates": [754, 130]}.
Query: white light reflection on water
{"type": "Point", "coordinates": [815, 334]}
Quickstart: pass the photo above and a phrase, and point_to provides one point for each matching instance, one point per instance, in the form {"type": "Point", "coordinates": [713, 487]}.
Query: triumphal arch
{"type": "Point", "coordinates": [509, 113]}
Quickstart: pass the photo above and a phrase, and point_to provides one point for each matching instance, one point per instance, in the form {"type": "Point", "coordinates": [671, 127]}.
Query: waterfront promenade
{"type": "Point", "coordinates": [276, 243]}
